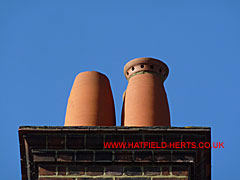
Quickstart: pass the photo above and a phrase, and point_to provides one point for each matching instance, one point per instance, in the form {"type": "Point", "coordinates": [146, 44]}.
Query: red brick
{"type": "Point", "coordinates": [113, 170]}
{"type": "Point", "coordinates": [94, 170]}
{"type": "Point", "coordinates": [61, 170]}
{"type": "Point", "coordinates": [153, 138]}
{"type": "Point", "coordinates": [193, 138]}
{"type": "Point", "coordinates": [44, 157]}
{"type": "Point", "coordinates": [143, 156]}
{"type": "Point", "coordinates": [151, 171]}
{"type": "Point", "coordinates": [113, 138]}
{"type": "Point", "coordinates": [133, 138]}
{"type": "Point", "coordinates": [103, 178]}
{"type": "Point", "coordinates": [162, 156]}
{"type": "Point", "coordinates": [94, 141]}
{"type": "Point", "coordinates": [132, 178]}
{"type": "Point", "coordinates": [53, 178]}
{"type": "Point", "coordinates": [132, 171]}
{"type": "Point", "coordinates": [95, 179]}
{"type": "Point", "coordinates": [47, 170]}
{"type": "Point", "coordinates": [56, 142]}
{"type": "Point", "coordinates": [180, 171]}
{"type": "Point", "coordinates": [84, 156]}
{"type": "Point", "coordinates": [76, 170]}
{"type": "Point", "coordinates": [65, 156]}
{"type": "Point", "coordinates": [165, 171]}
{"type": "Point", "coordinates": [123, 156]}
{"type": "Point", "coordinates": [208, 170]}
{"type": "Point", "coordinates": [183, 156]}
{"type": "Point", "coordinates": [171, 138]}
{"type": "Point", "coordinates": [75, 142]}
{"type": "Point", "coordinates": [169, 178]}
{"type": "Point", "coordinates": [103, 156]}
{"type": "Point", "coordinates": [36, 141]}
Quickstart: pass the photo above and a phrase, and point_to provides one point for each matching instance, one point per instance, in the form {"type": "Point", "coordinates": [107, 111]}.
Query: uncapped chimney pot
{"type": "Point", "coordinates": [90, 102]}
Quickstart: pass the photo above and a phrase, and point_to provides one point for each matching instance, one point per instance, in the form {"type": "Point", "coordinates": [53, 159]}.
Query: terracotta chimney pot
{"type": "Point", "coordinates": [90, 102]}
{"type": "Point", "coordinates": [145, 101]}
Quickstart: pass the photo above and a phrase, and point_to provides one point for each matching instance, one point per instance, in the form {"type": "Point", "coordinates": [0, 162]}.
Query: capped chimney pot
{"type": "Point", "coordinates": [145, 101]}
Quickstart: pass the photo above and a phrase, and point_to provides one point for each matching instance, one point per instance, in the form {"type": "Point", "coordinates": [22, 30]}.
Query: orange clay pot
{"type": "Point", "coordinates": [145, 100]}
{"type": "Point", "coordinates": [90, 102]}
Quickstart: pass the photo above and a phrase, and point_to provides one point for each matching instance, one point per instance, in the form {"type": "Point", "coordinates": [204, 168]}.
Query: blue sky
{"type": "Point", "coordinates": [44, 44]}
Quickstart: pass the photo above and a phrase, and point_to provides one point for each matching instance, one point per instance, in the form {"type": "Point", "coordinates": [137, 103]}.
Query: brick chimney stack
{"type": "Point", "coordinates": [90, 102]}
{"type": "Point", "coordinates": [145, 100]}
{"type": "Point", "coordinates": [91, 147]}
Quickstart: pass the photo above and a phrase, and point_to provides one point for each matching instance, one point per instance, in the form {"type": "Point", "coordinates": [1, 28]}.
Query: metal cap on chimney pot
{"type": "Point", "coordinates": [90, 102]}
{"type": "Point", "coordinates": [145, 101]}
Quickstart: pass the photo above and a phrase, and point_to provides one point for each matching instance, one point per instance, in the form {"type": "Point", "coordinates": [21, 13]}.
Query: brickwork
{"type": "Point", "coordinates": [113, 172]}
{"type": "Point", "coordinates": [55, 153]}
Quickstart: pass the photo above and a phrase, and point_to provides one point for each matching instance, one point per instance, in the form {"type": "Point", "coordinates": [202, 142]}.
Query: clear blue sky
{"type": "Point", "coordinates": [45, 43]}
